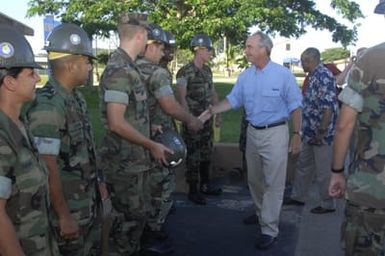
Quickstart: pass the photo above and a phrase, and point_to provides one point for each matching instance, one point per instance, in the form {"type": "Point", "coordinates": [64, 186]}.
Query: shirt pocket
{"type": "Point", "coordinates": [271, 100]}
{"type": "Point", "coordinates": [75, 131]}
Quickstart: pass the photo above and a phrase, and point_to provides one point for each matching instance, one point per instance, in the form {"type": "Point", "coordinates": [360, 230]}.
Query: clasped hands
{"type": "Point", "coordinates": [206, 115]}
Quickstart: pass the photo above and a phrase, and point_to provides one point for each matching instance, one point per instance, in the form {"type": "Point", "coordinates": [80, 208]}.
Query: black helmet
{"type": "Point", "coordinates": [156, 34]}
{"type": "Point", "coordinates": [380, 8]}
{"type": "Point", "coordinates": [15, 51]}
{"type": "Point", "coordinates": [201, 40]}
{"type": "Point", "coordinates": [171, 41]}
{"type": "Point", "coordinates": [173, 141]}
{"type": "Point", "coordinates": [69, 38]}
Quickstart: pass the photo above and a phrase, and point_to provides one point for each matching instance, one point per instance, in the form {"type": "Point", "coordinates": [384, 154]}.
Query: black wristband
{"type": "Point", "coordinates": [338, 170]}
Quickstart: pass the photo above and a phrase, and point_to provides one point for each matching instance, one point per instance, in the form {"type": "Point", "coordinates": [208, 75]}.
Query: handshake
{"type": "Point", "coordinates": [197, 123]}
{"type": "Point", "coordinates": [209, 113]}
{"type": "Point", "coordinates": [206, 115]}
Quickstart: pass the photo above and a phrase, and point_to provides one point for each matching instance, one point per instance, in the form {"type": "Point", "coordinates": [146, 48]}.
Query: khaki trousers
{"type": "Point", "coordinates": [266, 155]}
{"type": "Point", "coordinates": [314, 161]}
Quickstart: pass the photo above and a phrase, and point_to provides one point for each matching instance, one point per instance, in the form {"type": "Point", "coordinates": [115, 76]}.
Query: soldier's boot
{"type": "Point", "coordinates": [207, 188]}
{"type": "Point", "coordinates": [210, 190]}
{"type": "Point", "coordinates": [194, 195]}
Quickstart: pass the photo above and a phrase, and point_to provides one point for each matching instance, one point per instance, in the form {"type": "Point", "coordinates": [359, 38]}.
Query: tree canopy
{"type": "Point", "coordinates": [332, 54]}
{"type": "Point", "coordinates": [218, 18]}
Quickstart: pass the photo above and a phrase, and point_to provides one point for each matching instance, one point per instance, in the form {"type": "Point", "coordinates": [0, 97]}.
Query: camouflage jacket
{"type": "Point", "coordinates": [23, 183]}
{"type": "Point", "coordinates": [199, 86]}
{"type": "Point", "coordinates": [158, 82]}
{"type": "Point", "coordinates": [366, 94]}
{"type": "Point", "coordinates": [60, 125]}
{"type": "Point", "coordinates": [121, 83]}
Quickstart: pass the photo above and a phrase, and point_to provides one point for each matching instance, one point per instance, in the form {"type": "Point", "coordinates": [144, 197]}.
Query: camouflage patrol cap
{"type": "Point", "coordinates": [15, 51]}
{"type": "Point", "coordinates": [380, 8]}
{"type": "Point", "coordinates": [136, 19]}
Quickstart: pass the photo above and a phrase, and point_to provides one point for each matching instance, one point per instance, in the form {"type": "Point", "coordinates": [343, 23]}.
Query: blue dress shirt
{"type": "Point", "coordinates": [268, 95]}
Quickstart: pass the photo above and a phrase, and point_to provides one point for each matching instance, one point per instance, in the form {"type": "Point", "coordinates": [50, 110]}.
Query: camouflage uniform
{"type": "Point", "coordinates": [162, 180]}
{"type": "Point", "coordinates": [60, 126]}
{"type": "Point", "coordinates": [126, 165]}
{"type": "Point", "coordinates": [23, 183]}
{"type": "Point", "coordinates": [364, 227]}
{"type": "Point", "coordinates": [242, 141]}
{"type": "Point", "coordinates": [199, 93]}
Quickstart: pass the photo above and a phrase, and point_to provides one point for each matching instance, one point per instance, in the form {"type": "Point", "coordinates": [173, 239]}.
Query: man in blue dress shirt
{"type": "Point", "coordinates": [270, 96]}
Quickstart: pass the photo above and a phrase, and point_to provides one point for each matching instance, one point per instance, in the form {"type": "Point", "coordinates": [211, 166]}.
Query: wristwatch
{"type": "Point", "coordinates": [298, 132]}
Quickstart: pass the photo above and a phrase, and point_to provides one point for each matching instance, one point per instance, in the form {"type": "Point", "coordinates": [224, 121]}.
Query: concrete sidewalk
{"type": "Point", "coordinates": [319, 234]}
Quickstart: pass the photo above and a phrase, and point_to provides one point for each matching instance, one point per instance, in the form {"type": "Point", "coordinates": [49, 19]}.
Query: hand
{"type": "Point", "coordinates": [295, 144]}
{"type": "Point", "coordinates": [205, 115]}
{"type": "Point", "coordinates": [156, 129]}
{"type": "Point", "coordinates": [158, 152]}
{"type": "Point", "coordinates": [195, 124]}
{"type": "Point", "coordinates": [337, 185]}
{"type": "Point", "coordinates": [103, 191]}
{"type": "Point", "coordinates": [69, 228]}
{"type": "Point", "coordinates": [318, 139]}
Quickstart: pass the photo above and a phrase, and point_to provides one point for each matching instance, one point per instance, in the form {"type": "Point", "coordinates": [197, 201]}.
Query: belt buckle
{"type": "Point", "coordinates": [266, 126]}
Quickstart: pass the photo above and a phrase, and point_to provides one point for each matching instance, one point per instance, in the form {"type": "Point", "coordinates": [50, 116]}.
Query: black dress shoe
{"type": "Point", "coordinates": [293, 202]}
{"type": "Point", "coordinates": [321, 210]}
{"type": "Point", "coordinates": [265, 241]}
{"type": "Point", "coordinates": [210, 190]}
{"type": "Point", "coordinates": [197, 198]}
{"type": "Point", "coordinates": [250, 220]}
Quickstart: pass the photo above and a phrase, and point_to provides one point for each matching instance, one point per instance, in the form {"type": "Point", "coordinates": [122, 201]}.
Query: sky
{"type": "Point", "coordinates": [367, 34]}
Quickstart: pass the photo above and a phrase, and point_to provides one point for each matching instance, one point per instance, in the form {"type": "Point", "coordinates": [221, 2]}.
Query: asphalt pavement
{"type": "Point", "coordinates": [217, 228]}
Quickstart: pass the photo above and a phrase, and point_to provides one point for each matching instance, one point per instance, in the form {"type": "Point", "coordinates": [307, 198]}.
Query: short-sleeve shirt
{"type": "Point", "coordinates": [268, 95]}
{"type": "Point", "coordinates": [59, 123]}
{"type": "Point", "coordinates": [365, 93]}
{"type": "Point", "coordinates": [319, 95]}
{"type": "Point", "coordinates": [24, 186]}
{"type": "Point", "coordinates": [158, 82]}
{"type": "Point", "coordinates": [199, 86]}
{"type": "Point", "coordinates": [121, 83]}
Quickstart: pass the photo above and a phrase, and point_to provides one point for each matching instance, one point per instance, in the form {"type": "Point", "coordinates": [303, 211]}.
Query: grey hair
{"type": "Point", "coordinates": [312, 53]}
{"type": "Point", "coordinates": [265, 41]}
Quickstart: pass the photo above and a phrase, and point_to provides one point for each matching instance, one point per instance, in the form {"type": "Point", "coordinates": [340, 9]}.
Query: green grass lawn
{"type": "Point", "coordinates": [229, 131]}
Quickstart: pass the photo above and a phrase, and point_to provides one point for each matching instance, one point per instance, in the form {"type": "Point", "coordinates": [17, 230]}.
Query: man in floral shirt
{"type": "Point", "coordinates": [319, 116]}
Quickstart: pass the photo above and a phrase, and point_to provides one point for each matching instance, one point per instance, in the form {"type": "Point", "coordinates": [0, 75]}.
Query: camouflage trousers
{"type": "Point", "coordinates": [243, 132]}
{"type": "Point", "coordinates": [363, 231]}
{"type": "Point", "coordinates": [42, 245]}
{"type": "Point", "coordinates": [88, 242]}
{"type": "Point", "coordinates": [199, 149]}
{"type": "Point", "coordinates": [162, 185]}
{"type": "Point", "coordinates": [130, 197]}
